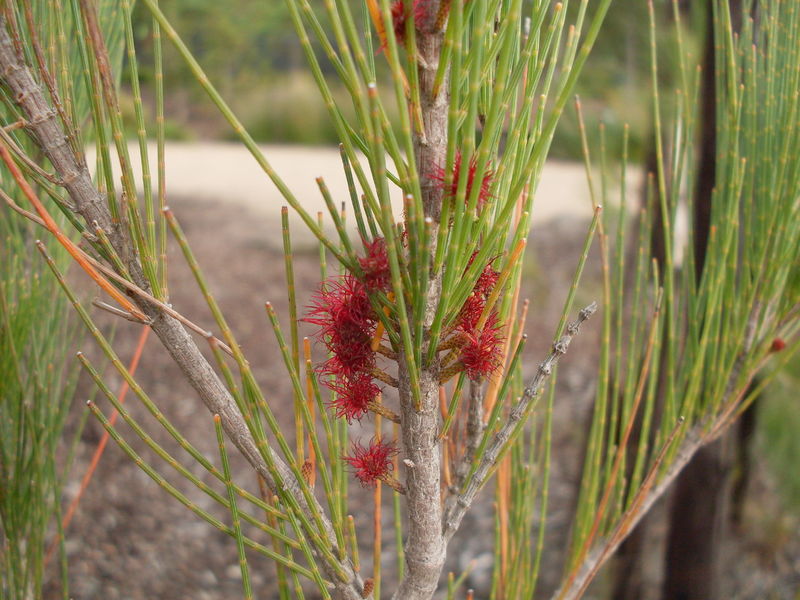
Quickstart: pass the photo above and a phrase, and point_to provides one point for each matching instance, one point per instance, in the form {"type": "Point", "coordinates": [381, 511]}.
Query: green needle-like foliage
{"type": "Point", "coordinates": [421, 320]}
{"type": "Point", "coordinates": [37, 383]}
{"type": "Point", "coordinates": [707, 340]}
{"type": "Point", "coordinates": [38, 330]}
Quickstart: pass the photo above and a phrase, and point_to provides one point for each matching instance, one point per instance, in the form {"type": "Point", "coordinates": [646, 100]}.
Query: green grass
{"type": "Point", "coordinates": [37, 382]}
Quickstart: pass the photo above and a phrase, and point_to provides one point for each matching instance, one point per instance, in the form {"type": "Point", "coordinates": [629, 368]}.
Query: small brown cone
{"type": "Point", "coordinates": [307, 470]}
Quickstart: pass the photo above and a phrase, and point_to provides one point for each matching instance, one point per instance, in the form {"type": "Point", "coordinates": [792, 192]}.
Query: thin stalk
{"type": "Point", "coordinates": [306, 416]}
{"type": "Point", "coordinates": [166, 457]}
{"type": "Point", "coordinates": [295, 358]}
{"type": "Point", "coordinates": [398, 519]}
{"type": "Point", "coordinates": [237, 526]}
{"type": "Point", "coordinates": [172, 491]}
{"type": "Point", "coordinates": [377, 529]}
{"type": "Point", "coordinates": [394, 263]}
{"type": "Point", "coordinates": [158, 79]}
{"type": "Point", "coordinates": [141, 133]}
{"type": "Point", "coordinates": [352, 541]}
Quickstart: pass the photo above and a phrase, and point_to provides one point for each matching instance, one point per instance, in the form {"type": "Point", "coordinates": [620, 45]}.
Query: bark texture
{"type": "Point", "coordinates": [425, 547]}
{"type": "Point", "coordinates": [696, 525]}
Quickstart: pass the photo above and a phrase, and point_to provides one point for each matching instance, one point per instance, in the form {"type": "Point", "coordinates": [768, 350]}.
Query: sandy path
{"type": "Point", "coordinates": [226, 171]}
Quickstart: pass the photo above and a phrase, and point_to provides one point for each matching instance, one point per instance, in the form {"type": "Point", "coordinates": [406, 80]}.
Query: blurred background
{"type": "Point", "coordinates": [250, 53]}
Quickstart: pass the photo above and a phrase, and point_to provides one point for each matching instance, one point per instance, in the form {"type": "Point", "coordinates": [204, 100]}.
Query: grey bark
{"type": "Point", "coordinates": [425, 547]}
{"type": "Point", "coordinates": [457, 505]}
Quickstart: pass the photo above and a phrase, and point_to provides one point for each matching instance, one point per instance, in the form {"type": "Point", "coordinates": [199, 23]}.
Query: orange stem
{"type": "Point", "coordinates": [503, 501]}
{"type": "Point", "coordinates": [377, 21]}
{"type": "Point", "coordinates": [74, 251]}
{"type": "Point", "coordinates": [376, 338]}
{"type": "Point", "coordinates": [312, 456]}
{"type": "Point", "coordinates": [376, 542]}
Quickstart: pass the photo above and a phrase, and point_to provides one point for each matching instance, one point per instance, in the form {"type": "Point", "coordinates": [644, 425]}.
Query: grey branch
{"type": "Point", "coordinates": [574, 589]}
{"type": "Point", "coordinates": [458, 505]}
{"type": "Point", "coordinates": [46, 131]}
{"type": "Point", "coordinates": [475, 428]}
{"type": "Point", "coordinates": [699, 435]}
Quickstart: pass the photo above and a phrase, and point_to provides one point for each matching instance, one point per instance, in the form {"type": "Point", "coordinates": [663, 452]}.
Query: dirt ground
{"type": "Point", "coordinates": [130, 540]}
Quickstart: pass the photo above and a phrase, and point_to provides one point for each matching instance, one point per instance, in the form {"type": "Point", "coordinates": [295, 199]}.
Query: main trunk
{"type": "Point", "coordinates": [425, 548]}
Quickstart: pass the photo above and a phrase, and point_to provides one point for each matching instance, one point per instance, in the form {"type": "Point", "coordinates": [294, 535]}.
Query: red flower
{"type": "Point", "coordinates": [350, 357]}
{"type": "Point", "coordinates": [484, 193]}
{"type": "Point", "coordinates": [347, 323]}
{"type": "Point", "coordinates": [340, 300]}
{"type": "Point", "coordinates": [353, 396]}
{"type": "Point", "coordinates": [371, 463]}
{"type": "Point", "coordinates": [399, 17]}
{"type": "Point", "coordinates": [375, 265]}
{"type": "Point", "coordinates": [473, 307]}
{"type": "Point", "coordinates": [487, 280]}
{"type": "Point", "coordinates": [481, 351]}
{"type": "Point", "coordinates": [471, 312]}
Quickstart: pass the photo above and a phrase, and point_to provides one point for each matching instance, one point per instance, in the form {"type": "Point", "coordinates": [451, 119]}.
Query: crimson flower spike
{"type": "Point", "coordinates": [482, 350]}
{"type": "Point", "coordinates": [484, 194]}
{"type": "Point", "coordinates": [375, 265]}
{"type": "Point", "coordinates": [346, 324]}
{"type": "Point", "coordinates": [474, 305]}
{"type": "Point", "coordinates": [353, 396]}
{"type": "Point", "coordinates": [373, 463]}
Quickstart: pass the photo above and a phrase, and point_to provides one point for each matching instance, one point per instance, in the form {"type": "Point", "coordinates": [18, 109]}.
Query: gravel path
{"type": "Point", "coordinates": [228, 172]}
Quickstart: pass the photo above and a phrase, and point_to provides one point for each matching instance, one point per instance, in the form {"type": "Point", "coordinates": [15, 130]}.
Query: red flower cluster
{"type": "Point", "coordinates": [353, 396]}
{"type": "Point", "coordinates": [347, 324]}
{"type": "Point", "coordinates": [399, 17]}
{"type": "Point", "coordinates": [473, 307]}
{"type": "Point", "coordinates": [483, 195]}
{"type": "Point", "coordinates": [480, 353]}
{"type": "Point", "coordinates": [375, 265]}
{"type": "Point", "coordinates": [371, 463]}
{"type": "Point", "coordinates": [481, 349]}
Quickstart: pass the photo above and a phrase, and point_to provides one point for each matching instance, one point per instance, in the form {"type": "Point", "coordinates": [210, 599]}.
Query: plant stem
{"type": "Point", "coordinates": [425, 548]}
{"type": "Point", "coordinates": [458, 505]}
